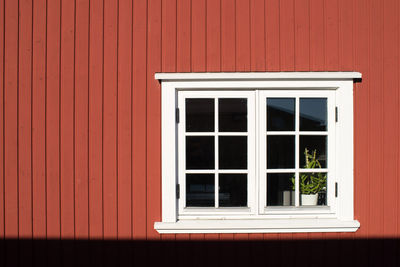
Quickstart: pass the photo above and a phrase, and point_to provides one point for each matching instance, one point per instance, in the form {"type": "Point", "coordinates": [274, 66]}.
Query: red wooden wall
{"type": "Point", "coordinates": [80, 109]}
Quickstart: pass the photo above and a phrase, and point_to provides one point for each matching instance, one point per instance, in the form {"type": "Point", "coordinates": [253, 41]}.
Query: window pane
{"type": "Point", "coordinates": [280, 114]}
{"type": "Point", "coordinates": [200, 152]}
{"type": "Point", "coordinates": [200, 190]}
{"type": "Point", "coordinates": [200, 115]}
{"type": "Point", "coordinates": [280, 151]}
{"type": "Point", "coordinates": [232, 116]}
{"type": "Point", "coordinates": [280, 189]}
{"type": "Point", "coordinates": [233, 190]}
{"type": "Point", "coordinates": [313, 114]}
{"type": "Point", "coordinates": [313, 189]}
{"type": "Point", "coordinates": [233, 152]}
{"type": "Point", "coordinates": [310, 145]}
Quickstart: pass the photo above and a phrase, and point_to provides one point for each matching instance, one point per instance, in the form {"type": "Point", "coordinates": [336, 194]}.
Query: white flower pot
{"type": "Point", "coordinates": [309, 200]}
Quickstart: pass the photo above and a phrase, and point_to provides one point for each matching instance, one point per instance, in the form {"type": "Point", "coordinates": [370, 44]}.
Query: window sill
{"type": "Point", "coordinates": [257, 226]}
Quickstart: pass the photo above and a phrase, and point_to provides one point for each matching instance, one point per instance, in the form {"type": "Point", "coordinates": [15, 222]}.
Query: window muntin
{"type": "Point", "coordinates": [303, 119]}
{"type": "Point", "coordinates": [222, 152]}
{"type": "Point", "coordinates": [217, 166]}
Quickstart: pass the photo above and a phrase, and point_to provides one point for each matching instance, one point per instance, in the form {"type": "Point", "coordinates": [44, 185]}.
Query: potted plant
{"type": "Point", "coordinates": [310, 183]}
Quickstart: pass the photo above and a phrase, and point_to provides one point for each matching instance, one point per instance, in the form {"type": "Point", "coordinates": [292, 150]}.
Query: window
{"type": "Point", "coordinates": [257, 152]}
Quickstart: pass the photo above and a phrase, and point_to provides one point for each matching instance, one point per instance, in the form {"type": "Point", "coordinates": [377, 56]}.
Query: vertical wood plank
{"type": "Point", "coordinates": [390, 128]}
{"type": "Point", "coordinates": [95, 120]}
{"type": "Point", "coordinates": [183, 36]}
{"type": "Point", "coordinates": [228, 35]}
{"type": "Point", "coordinates": [346, 34]}
{"type": "Point", "coordinates": [39, 119]}
{"type": "Point", "coordinates": [317, 40]}
{"type": "Point", "coordinates": [25, 123]}
{"type": "Point", "coordinates": [81, 119]}
{"type": "Point", "coordinates": [53, 119]}
{"type": "Point", "coordinates": [124, 119]}
{"type": "Point", "coordinates": [287, 35]}
{"type": "Point", "coordinates": [332, 35]}
{"type": "Point", "coordinates": [67, 119]}
{"type": "Point", "coordinates": [242, 36]}
{"type": "Point", "coordinates": [302, 34]}
{"type": "Point", "coordinates": [213, 35]}
{"type": "Point", "coordinates": [272, 35]}
{"type": "Point", "coordinates": [110, 119]}
{"type": "Point", "coordinates": [169, 29]}
{"type": "Point", "coordinates": [361, 118]}
{"type": "Point", "coordinates": [139, 153]}
{"type": "Point", "coordinates": [11, 119]}
{"type": "Point", "coordinates": [198, 33]}
{"type": "Point", "coordinates": [153, 119]}
{"type": "Point", "coordinates": [257, 33]}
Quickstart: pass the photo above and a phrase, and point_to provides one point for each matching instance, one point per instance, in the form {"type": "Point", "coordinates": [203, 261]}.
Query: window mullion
{"type": "Point", "coordinates": [297, 157]}
{"type": "Point", "coordinates": [216, 177]}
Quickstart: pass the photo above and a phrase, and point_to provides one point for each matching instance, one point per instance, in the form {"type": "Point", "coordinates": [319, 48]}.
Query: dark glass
{"type": "Point", "coordinates": [280, 114]}
{"type": "Point", "coordinates": [200, 115]}
{"type": "Point", "coordinates": [233, 152]}
{"type": "Point", "coordinates": [313, 114]}
{"type": "Point", "coordinates": [280, 151]}
{"type": "Point", "coordinates": [200, 190]}
{"type": "Point", "coordinates": [200, 152]}
{"type": "Point", "coordinates": [232, 190]}
{"type": "Point", "coordinates": [313, 143]}
{"type": "Point", "coordinates": [280, 189]}
{"type": "Point", "coordinates": [232, 114]}
{"type": "Point", "coordinates": [318, 181]}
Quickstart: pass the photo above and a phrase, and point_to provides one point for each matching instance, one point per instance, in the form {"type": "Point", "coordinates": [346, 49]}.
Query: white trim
{"type": "Point", "coordinates": [234, 76]}
{"type": "Point", "coordinates": [258, 226]}
{"type": "Point", "coordinates": [338, 217]}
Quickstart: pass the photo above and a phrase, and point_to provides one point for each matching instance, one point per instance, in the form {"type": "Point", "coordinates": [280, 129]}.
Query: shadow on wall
{"type": "Point", "coordinates": [328, 252]}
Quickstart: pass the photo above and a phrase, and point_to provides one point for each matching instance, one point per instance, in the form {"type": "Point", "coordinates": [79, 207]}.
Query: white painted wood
{"type": "Point", "coordinates": [168, 153]}
{"type": "Point", "coordinates": [258, 226]}
{"type": "Point", "coordinates": [337, 85]}
{"type": "Point", "coordinates": [256, 75]}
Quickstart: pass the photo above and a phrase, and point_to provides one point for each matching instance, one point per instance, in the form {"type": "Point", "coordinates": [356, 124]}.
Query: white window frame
{"type": "Point", "coordinates": [340, 217]}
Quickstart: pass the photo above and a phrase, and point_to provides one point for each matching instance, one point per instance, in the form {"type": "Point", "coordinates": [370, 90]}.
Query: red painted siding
{"type": "Point", "coordinates": [80, 109]}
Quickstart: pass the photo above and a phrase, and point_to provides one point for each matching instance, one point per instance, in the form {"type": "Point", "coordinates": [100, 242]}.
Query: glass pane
{"type": "Point", "coordinates": [313, 189]}
{"type": "Point", "coordinates": [233, 190]}
{"type": "Point", "coordinates": [232, 114]}
{"type": "Point", "coordinates": [280, 151]}
{"type": "Point", "coordinates": [200, 190]}
{"type": "Point", "coordinates": [280, 189]}
{"type": "Point", "coordinates": [314, 148]}
{"type": "Point", "coordinates": [200, 152]}
{"type": "Point", "coordinates": [199, 115]}
{"type": "Point", "coordinates": [233, 152]}
{"type": "Point", "coordinates": [280, 114]}
{"type": "Point", "coordinates": [313, 114]}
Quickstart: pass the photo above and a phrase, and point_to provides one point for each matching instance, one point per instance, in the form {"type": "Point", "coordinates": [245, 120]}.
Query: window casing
{"type": "Point", "coordinates": [187, 214]}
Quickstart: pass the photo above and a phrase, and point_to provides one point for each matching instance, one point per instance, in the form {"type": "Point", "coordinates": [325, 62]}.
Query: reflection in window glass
{"type": "Point", "coordinates": [232, 114]}
{"type": "Point", "coordinates": [313, 114]}
{"type": "Point", "coordinates": [280, 189]}
{"type": "Point", "coordinates": [233, 152]}
{"type": "Point", "coordinates": [233, 190]}
{"type": "Point", "coordinates": [200, 152]}
{"type": "Point", "coordinates": [200, 190]}
{"type": "Point", "coordinates": [280, 114]}
{"type": "Point", "coordinates": [200, 115]}
{"type": "Point", "coordinates": [280, 151]}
